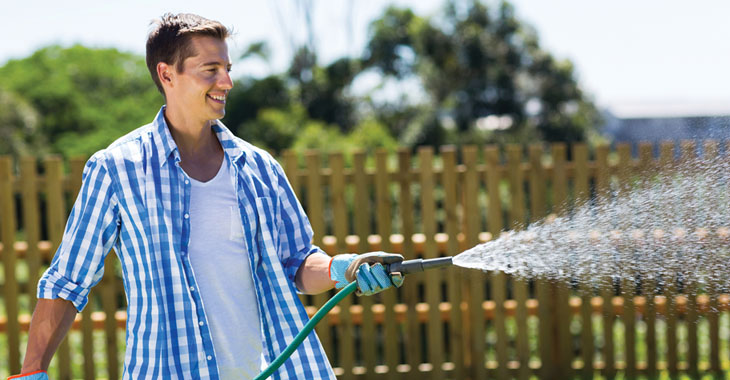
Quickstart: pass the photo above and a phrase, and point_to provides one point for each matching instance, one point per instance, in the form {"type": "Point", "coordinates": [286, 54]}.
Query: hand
{"type": "Point", "coordinates": [368, 269]}
{"type": "Point", "coordinates": [37, 375]}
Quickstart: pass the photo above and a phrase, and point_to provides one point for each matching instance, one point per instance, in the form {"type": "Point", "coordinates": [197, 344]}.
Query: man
{"type": "Point", "coordinates": [212, 241]}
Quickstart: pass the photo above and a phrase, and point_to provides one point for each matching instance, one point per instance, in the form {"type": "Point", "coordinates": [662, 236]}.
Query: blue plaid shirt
{"type": "Point", "coordinates": [135, 198]}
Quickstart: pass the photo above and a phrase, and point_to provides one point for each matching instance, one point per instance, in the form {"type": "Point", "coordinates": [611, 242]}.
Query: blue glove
{"type": "Point", "coordinates": [37, 375]}
{"type": "Point", "coordinates": [368, 269]}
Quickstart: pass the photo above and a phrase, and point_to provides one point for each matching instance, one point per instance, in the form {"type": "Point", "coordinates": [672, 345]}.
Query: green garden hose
{"type": "Point", "coordinates": [346, 291]}
{"type": "Point", "coordinates": [405, 267]}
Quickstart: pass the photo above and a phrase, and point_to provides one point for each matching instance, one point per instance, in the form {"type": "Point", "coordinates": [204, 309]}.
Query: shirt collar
{"type": "Point", "coordinates": [167, 147]}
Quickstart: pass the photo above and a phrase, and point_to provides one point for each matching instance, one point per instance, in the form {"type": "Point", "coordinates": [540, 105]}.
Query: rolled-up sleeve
{"type": "Point", "coordinates": [295, 232]}
{"type": "Point", "coordinates": [90, 233]}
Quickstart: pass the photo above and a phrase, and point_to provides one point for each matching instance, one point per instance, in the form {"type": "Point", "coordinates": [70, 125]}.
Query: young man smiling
{"type": "Point", "coordinates": [211, 238]}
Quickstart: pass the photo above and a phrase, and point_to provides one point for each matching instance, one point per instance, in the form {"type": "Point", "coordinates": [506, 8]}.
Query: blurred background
{"type": "Point", "coordinates": [338, 75]}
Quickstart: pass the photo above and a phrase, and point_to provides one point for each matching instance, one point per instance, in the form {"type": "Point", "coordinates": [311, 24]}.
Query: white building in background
{"type": "Point", "coordinates": [654, 122]}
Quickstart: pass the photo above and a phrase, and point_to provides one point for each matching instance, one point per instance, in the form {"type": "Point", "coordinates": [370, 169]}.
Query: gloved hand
{"type": "Point", "coordinates": [37, 375]}
{"type": "Point", "coordinates": [367, 269]}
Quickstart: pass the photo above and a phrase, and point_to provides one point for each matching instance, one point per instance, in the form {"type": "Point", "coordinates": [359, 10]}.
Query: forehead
{"type": "Point", "coordinates": [208, 49]}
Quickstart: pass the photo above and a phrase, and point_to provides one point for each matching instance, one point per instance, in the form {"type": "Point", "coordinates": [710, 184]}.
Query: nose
{"type": "Point", "coordinates": [224, 81]}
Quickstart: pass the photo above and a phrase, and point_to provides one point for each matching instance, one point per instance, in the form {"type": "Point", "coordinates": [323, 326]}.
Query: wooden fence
{"type": "Point", "coordinates": [452, 323]}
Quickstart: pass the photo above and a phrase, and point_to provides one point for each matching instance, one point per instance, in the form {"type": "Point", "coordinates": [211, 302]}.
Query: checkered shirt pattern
{"type": "Point", "coordinates": [135, 199]}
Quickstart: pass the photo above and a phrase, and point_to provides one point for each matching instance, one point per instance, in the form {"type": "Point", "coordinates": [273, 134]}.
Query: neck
{"type": "Point", "coordinates": [194, 138]}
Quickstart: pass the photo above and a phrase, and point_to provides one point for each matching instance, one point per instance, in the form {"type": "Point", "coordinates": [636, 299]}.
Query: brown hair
{"type": "Point", "coordinates": [169, 40]}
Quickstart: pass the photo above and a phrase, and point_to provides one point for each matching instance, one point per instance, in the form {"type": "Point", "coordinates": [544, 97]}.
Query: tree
{"type": "Point", "coordinates": [473, 63]}
{"type": "Point", "coordinates": [19, 132]}
{"type": "Point", "coordinates": [86, 98]}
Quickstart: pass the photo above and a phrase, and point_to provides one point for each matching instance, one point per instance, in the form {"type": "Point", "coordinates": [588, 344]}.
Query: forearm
{"type": "Point", "coordinates": [313, 275]}
{"type": "Point", "coordinates": [51, 321]}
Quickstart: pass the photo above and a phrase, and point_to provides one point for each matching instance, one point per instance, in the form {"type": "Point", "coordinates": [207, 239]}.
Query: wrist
{"type": "Point", "coordinates": [35, 375]}
{"type": "Point", "coordinates": [338, 267]}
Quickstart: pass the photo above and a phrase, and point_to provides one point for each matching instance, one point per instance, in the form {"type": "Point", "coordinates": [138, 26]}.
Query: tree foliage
{"type": "Point", "coordinates": [473, 74]}
{"type": "Point", "coordinates": [19, 132]}
{"type": "Point", "coordinates": [86, 98]}
{"type": "Point", "coordinates": [474, 62]}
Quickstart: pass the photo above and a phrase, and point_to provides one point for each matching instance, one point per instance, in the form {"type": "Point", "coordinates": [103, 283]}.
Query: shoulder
{"type": "Point", "coordinates": [127, 152]}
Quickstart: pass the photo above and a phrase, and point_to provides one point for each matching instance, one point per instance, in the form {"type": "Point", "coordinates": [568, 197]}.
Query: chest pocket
{"type": "Point", "coordinates": [267, 236]}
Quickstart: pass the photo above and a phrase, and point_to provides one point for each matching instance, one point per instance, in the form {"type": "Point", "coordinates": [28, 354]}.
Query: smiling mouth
{"type": "Point", "coordinates": [221, 99]}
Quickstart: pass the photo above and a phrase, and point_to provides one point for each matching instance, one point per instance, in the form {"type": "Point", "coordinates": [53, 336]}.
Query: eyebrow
{"type": "Point", "coordinates": [217, 63]}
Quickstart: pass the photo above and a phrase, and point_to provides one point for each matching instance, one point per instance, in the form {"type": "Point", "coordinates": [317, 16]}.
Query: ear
{"type": "Point", "coordinates": [165, 73]}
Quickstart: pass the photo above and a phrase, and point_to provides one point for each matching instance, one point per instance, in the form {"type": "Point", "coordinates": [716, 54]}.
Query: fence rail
{"type": "Point", "coordinates": [452, 323]}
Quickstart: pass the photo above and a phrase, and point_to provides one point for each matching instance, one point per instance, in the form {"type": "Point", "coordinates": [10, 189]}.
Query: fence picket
{"type": "Point", "coordinates": [362, 229]}
{"type": "Point", "coordinates": [10, 287]}
{"type": "Point", "coordinates": [710, 153]}
{"type": "Point", "coordinates": [647, 166]}
{"type": "Point", "coordinates": [383, 205]}
{"type": "Point", "coordinates": [519, 285]}
{"type": "Point", "coordinates": [87, 327]}
{"type": "Point", "coordinates": [563, 340]}
{"type": "Point", "coordinates": [542, 286]}
{"type": "Point", "coordinates": [31, 222]}
{"type": "Point", "coordinates": [409, 291]}
{"type": "Point", "coordinates": [666, 163]}
{"type": "Point", "coordinates": [582, 195]}
{"type": "Point", "coordinates": [56, 216]}
{"type": "Point", "coordinates": [495, 225]}
{"type": "Point", "coordinates": [315, 212]}
{"type": "Point", "coordinates": [458, 329]}
{"type": "Point", "coordinates": [340, 224]}
{"type": "Point", "coordinates": [607, 291]}
{"type": "Point", "coordinates": [628, 286]}
{"type": "Point", "coordinates": [689, 153]}
{"type": "Point", "coordinates": [433, 282]}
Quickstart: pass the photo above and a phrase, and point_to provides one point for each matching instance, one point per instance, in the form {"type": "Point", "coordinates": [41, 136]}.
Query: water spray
{"type": "Point", "coordinates": [403, 267]}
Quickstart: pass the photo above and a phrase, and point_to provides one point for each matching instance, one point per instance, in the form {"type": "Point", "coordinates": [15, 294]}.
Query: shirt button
{"type": "Point", "coordinates": [201, 323]}
{"type": "Point", "coordinates": [187, 215]}
{"type": "Point", "coordinates": [192, 288]}
{"type": "Point", "coordinates": [187, 182]}
{"type": "Point", "coordinates": [210, 357]}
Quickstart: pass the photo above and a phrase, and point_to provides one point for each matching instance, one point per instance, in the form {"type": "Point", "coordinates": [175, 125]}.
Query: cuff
{"type": "Point", "coordinates": [37, 375]}
{"type": "Point", "coordinates": [53, 285]}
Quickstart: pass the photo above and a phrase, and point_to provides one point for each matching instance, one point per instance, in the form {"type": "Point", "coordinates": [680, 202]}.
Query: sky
{"type": "Point", "coordinates": [634, 58]}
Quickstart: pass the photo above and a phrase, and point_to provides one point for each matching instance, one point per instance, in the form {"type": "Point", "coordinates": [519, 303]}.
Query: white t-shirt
{"type": "Point", "coordinates": [223, 274]}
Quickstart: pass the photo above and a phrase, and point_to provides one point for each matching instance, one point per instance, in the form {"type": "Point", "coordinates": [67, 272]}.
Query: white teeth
{"type": "Point", "coordinates": [221, 98]}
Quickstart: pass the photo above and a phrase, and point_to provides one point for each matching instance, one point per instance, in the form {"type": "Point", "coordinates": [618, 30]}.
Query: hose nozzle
{"type": "Point", "coordinates": [419, 265]}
